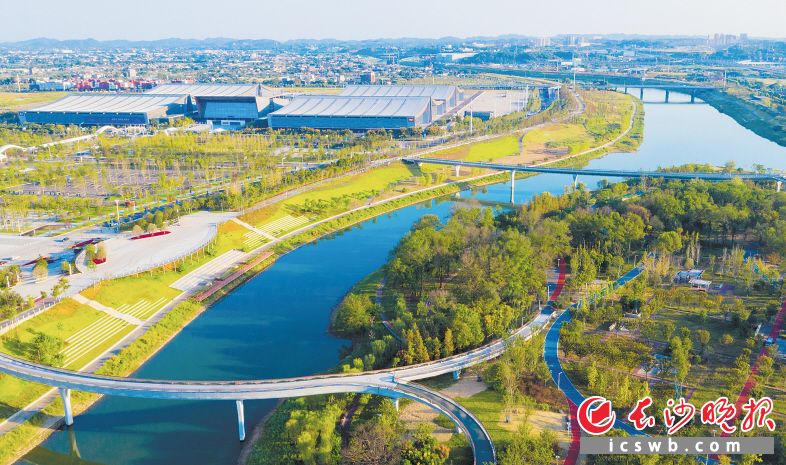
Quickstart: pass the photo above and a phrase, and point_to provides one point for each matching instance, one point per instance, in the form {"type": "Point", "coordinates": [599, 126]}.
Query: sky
{"type": "Point", "coordinates": [369, 19]}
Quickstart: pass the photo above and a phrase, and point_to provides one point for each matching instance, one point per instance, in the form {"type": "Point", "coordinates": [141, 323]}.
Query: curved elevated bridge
{"type": "Point", "coordinates": [777, 178]}
{"type": "Point", "coordinates": [393, 383]}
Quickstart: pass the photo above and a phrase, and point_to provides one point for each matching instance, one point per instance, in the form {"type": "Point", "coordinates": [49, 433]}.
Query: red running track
{"type": "Point", "coordinates": [560, 281]}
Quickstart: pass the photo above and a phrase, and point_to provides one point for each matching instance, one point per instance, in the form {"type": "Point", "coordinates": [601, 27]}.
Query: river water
{"type": "Point", "coordinates": [276, 324]}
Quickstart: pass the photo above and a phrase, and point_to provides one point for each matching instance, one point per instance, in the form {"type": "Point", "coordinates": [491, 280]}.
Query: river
{"type": "Point", "coordinates": [275, 325]}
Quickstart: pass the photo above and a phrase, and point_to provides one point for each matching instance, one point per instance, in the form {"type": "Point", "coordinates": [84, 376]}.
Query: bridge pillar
{"type": "Point", "coordinates": [395, 403]}
{"type": "Point", "coordinates": [641, 93]}
{"type": "Point", "coordinates": [241, 420]}
{"type": "Point", "coordinates": [456, 374]}
{"type": "Point", "coordinates": [693, 96]}
{"type": "Point", "coordinates": [512, 187]}
{"type": "Point", "coordinates": [65, 394]}
{"type": "Point", "coordinates": [575, 181]}
{"type": "Point", "coordinates": [458, 171]}
{"type": "Point", "coordinates": [667, 95]}
{"type": "Point", "coordinates": [778, 185]}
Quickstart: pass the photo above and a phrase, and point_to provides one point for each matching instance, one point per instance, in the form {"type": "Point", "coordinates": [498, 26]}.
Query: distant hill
{"type": "Point", "coordinates": [172, 43]}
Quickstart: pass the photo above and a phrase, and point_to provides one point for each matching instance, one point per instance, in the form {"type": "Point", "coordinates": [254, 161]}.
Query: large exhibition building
{"type": "Point", "coordinates": [224, 105]}
{"type": "Point", "coordinates": [229, 106]}
{"type": "Point", "coordinates": [233, 106]}
{"type": "Point", "coordinates": [109, 109]}
{"type": "Point", "coordinates": [368, 107]}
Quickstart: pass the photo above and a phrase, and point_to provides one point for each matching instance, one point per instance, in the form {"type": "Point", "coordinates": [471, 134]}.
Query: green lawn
{"type": "Point", "coordinates": [371, 185]}
{"type": "Point", "coordinates": [132, 289]}
{"type": "Point", "coordinates": [483, 151]}
{"type": "Point", "coordinates": [487, 407]}
{"type": "Point", "coordinates": [15, 394]}
{"type": "Point", "coordinates": [62, 320]}
{"type": "Point", "coordinates": [558, 136]}
{"type": "Point", "coordinates": [98, 349]}
{"type": "Point", "coordinates": [16, 100]}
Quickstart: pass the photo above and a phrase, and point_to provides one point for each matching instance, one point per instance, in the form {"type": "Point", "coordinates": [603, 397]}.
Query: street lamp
{"type": "Point", "coordinates": [559, 378]}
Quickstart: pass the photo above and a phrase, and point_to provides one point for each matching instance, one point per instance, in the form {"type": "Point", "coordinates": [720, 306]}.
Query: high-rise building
{"type": "Point", "coordinates": [368, 77]}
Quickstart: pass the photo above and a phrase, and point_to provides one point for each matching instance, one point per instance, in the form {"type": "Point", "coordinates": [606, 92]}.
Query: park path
{"type": "Point", "coordinates": [564, 384]}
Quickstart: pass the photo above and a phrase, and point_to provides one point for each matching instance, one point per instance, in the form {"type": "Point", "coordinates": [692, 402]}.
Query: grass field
{"type": "Point", "coordinates": [559, 136]}
{"type": "Point", "coordinates": [357, 190]}
{"type": "Point", "coordinates": [483, 151]}
{"type": "Point", "coordinates": [20, 100]}
{"type": "Point", "coordinates": [63, 320]}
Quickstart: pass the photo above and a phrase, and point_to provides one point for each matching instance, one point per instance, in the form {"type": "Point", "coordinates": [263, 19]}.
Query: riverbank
{"type": "Point", "coordinates": [767, 124]}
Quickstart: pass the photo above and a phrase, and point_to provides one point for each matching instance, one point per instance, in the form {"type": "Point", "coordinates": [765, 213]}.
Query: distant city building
{"type": "Point", "coordinates": [454, 56]}
{"type": "Point", "coordinates": [368, 77]}
{"type": "Point", "coordinates": [723, 40]}
{"type": "Point", "coordinates": [51, 86]}
{"type": "Point", "coordinates": [543, 42]}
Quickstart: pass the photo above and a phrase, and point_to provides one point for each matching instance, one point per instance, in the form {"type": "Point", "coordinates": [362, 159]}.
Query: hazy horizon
{"type": "Point", "coordinates": [359, 20]}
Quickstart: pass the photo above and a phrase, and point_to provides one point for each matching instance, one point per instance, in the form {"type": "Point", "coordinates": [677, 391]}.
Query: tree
{"type": "Point", "coordinates": [447, 346]}
{"type": "Point", "coordinates": [467, 328]}
{"type": "Point", "coordinates": [525, 449]}
{"type": "Point", "coordinates": [60, 287]}
{"type": "Point", "coordinates": [46, 349]}
{"type": "Point", "coordinates": [680, 359]}
{"type": "Point", "coordinates": [100, 252]}
{"type": "Point", "coordinates": [668, 242]}
{"type": "Point", "coordinates": [416, 346]}
{"type": "Point", "coordinates": [373, 443]}
{"type": "Point", "coordinates": [41, 268]}
{"type": "Point", "coordinates": [353, 316]}
{"type": "Point", "coordinates": [703, 337]}
{"type": "Point", "coordinates": [424, 449]}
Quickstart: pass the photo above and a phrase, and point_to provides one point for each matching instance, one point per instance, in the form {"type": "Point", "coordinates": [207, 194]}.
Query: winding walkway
{"type": "Point", "coordinates": [563, 382]}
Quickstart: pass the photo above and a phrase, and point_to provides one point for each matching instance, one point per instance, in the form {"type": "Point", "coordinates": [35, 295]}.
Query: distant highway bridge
{"type": "Point", "coordinates": [689, 89]}
{"type": "Point", "coordinates": [778, 178]}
